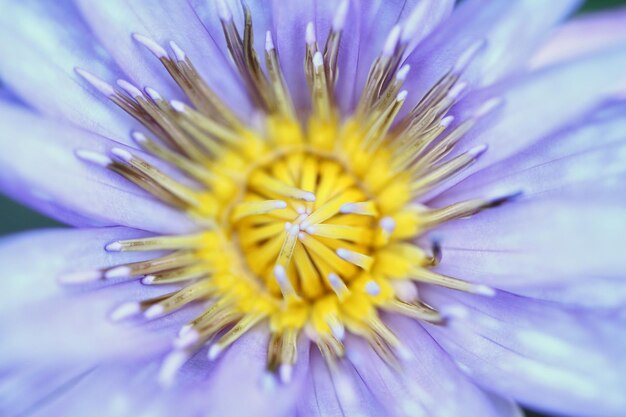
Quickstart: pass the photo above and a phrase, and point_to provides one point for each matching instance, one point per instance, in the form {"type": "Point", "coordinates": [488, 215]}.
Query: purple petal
{"type": "Point", "coordinates": [540, 353]}
{"type": "Point", "coordinates": [532, 244]}
{"type": "Point", "coordinates": [115, 21]}
{"type": "Point", "coordinates": [41, 170]}
{"type": "Point", "coordinates": [45, 324]}
{"type": "Point", "coordinates": [583, 35]}
{"type": "Point", "coordinates": [427, 380]}
{"type": "Point", "coordinates": [591, 151]}
{"type": "Point", "coordinates": [340, 393]}
{"type": "Point", "coordinates": [42, 43]}
{"type": "Point", "coordinates": [241, 385]}
{"type": "Point", "coordinates": [538, 105]}
{"type": "Point", "coordinates": [511, 30]}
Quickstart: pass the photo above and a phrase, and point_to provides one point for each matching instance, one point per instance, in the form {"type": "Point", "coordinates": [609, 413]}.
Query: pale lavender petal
{"type": "Point", "coordinates": [512, 31]}
{"type": "Point", "coordinates": [41, 44]}
{"type": "Point", "coordinates": [528, 114]}
{"type": "Point", "coordinates": [290, 41]}
{"type": "Point", "coordinates": [585, 34]}
{"type": "Point", "coordinates": [589, 152]}
{"type": "Point", "coordinates": [541, 354]}
{"type": "Point", "coordinates": [47, 324]}
{"type": "Point", "coordinates": [532, 244]}
{"type": "Point", "coordinates": [115, 21]}
{"type": "Point", "coordinates": [340, 393]}
{"type": "Point", "coordinates": [58, 252]}
{"type": "Point", "coordinates": [41, 170]}
{"type": "Point", "coordinates": [241, 384]}
{"type": "Point", "coordinates": [428, 377]}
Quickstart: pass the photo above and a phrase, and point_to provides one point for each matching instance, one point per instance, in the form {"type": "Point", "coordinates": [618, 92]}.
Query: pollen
{"type": "Point", "coordinates": [308, 220]}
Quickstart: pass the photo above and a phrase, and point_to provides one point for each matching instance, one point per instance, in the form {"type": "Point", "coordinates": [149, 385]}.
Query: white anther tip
{"type": "Point", "coordinates": [187, 339]}
{"type": "Point", "coordinates": [484, 290]}
{"type": "Point", "coordinates": [334, 279]}
{"type": "Point", "coordinates": [286, 372]}
{"type": "Point", "coordinates": [318, 59]}
{"type": "Point", "coordinates": [388, 224]}
{"type": "Point", "coordinates": [179, 54]}
{"type": "Point", "coordinates": [125, 311]}
{"type": "Point", "coordinates": [476, 151]}
{"type": "Point", "coordinates": [310, 230]}
{"type": "Point", "coordinates": [372, 288]}
{"type": "Point", "coordinates": [402, 96]}
{"type": "Point", "coordinates": [100, 85]}
{"type": "Point", "coordinates": [310, 197]}
{"type": "Point", "coordinates": [114, 247]}
{"type": "Point", "coordinates": [214, 352]}
{"type": "Point", "coordinates": [179, 106]}
{"type": "Point", "coordinates": [154, 311]}
{"type": "Point", "coordinates": [122, 154]}
{"type": "Point", "coordinates": [148, 280]}
{"type": "Point", "coordinates": [403, 72]}
{"type": "Point", "coordinates": [171, 364]}
{"type": "Point", "coordinates": [453, 311]}
{"type": "Point", "coordinates": [488, 106]}
{"type": "Point", "coordinates": [223, 11]}
{"type": "Point", "coordinates": [340, 16]}
{"type": "Point", "coordinates": [118, 272]}
{"type": "Point", "coordinates": [151, 44]}
{"type": "Point", "coordinates": [338, 331]}
{"type": "Point", "coordinates": [310, 33]}
{"type": "Point", "coordinates": [139, 137]}
{"type": "Point", "coordinates": [153, 94]}
{"type": "Point", "coordinates": [280, 273]}
{"type": "Point", "coordinates": [346, 208]}
{"type": "Point", "coordinates": [129, 88]}
{"type": "Point", "coordinates": [467, 56]}
{"type": "Point", "coordinates": [447, 121]}
{"type": "Point", "coordinates": [269, 42]}
{"type": "Point", "coordinates": [280, 204]}
{"type": "Point", "coordinates": [93, 157]}
{"type": "Point", "coordinates": [81, 277]}
{"type": "Point", "coordinates": [392, 41]}
{"type": "Point", "coordinates": [342, 253]}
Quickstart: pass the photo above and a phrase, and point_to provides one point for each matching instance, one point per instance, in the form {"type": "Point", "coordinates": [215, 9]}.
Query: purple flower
{"type": "Point", "coordinates": [299, 208]}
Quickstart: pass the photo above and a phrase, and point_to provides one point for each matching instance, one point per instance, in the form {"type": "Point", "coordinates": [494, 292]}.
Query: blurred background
{"type": "Point", "coordinates": [16, 218]}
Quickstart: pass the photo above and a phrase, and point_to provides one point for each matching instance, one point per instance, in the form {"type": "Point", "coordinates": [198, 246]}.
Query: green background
{"type": "Point", "coordinates": [15, 218]}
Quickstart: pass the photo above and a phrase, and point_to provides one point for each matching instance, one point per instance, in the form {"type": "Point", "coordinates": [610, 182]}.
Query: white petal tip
{"type": "Point", "coordinates": [179, 106]}
{"type": "Point", "coordinates": [94, 157]}
{"type": "Point", "coordinates": [122, 154]}
{"type": "Point", "coordinates": [100, 85]}
{"type": "Point", "coordinates": [113, 247]}
{"type": "Point", "coordinates": [130, 89]}
{"type": "Point", "coordinates": [118, 272]}
{"type": "Point", "coordinates": [81, 277]}
{"type": "Point", "coordinates": [341, 14]}
{"type": "Point", "coordinates": [151, 45]}
{"type": "Point", "coordinates": [154, 311]}
{"type": "Point", "coordinates": [477, 151]}
{"type": "Point", "coordinates": [179, 54]}
{"type": "Point", "coordinates": [318, 59]}
{"type": "Point", "coordinates": [286, 373]}
{"type": "Point", "coordinates": [125, 311]}
{"type": "Point", "coordinates": [484, 290]}
{"type": "Point", "coordinates": [269, 42]}
{"type": "Point", "coordinates": [214, 352]}
{"type": "Point", "coordinates": [171, 364]}
{"type": "Point", "coordinates": [310, 34]}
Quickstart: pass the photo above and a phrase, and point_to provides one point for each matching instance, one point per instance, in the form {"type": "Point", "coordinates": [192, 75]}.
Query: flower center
{"type": "Point", "coordinates": [305, 226]}
{"type": "Point", "coordinates": [308, 227]}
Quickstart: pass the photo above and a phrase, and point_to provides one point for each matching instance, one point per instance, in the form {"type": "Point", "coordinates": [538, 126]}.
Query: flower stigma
{"type": "Point", "coordinates": [310, 217]}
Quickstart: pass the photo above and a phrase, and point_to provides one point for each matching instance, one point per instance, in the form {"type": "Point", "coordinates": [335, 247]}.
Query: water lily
{"type": "Point", "coordinates": [359, 208]}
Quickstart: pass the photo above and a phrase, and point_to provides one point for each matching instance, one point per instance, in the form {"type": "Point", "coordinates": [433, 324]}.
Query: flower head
{"type": "Point", "coordinates": [330, 194]}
